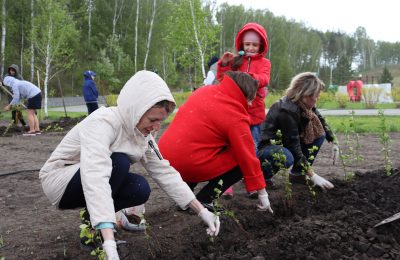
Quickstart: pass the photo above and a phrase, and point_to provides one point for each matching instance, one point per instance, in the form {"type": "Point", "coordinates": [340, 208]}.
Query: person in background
{"type": "Point", "coordinates": [90, 166]}
{"type": "Point", "coordinates": [90, 93]}
{"type": "Point", "coordinates": [296, 124]}
{"type": "Point", "coordinates": [251, 45]}
{"type": "Point", "coordinates": [26, 90]}
{"type": "Point", "coordinates": [16, 114]}
{"type": "Point", "coordinates": [212, 72]}
{"type": "Point", "coordinates": [209, 140]}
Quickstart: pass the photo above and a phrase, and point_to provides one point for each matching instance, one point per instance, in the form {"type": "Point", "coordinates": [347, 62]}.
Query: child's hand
{"type": "Point", "coordinates": [226, 58]}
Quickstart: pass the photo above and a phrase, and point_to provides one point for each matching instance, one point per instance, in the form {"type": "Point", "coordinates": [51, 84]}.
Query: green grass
{"type": "Point", "coordinates": [364, 124]}
{"type": "Point", "coordinates": [53, 115]}
{"type": "Point", "coordinates": [354, 105]}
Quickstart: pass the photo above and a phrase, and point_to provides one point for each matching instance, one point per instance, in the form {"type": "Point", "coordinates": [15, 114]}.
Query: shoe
{"type": "Point", "coordinates": [29, 134]}
{"type": "Point", "coordinates": [253, 195]}
{"type": "Point", "coordinates": [228, 194]}
{"type": "Point", "coordinates": [297, 179]}
{"type": "Point", "coordinates": [211, 207]}
{"type": "Point", "coordinates": [38, 132]}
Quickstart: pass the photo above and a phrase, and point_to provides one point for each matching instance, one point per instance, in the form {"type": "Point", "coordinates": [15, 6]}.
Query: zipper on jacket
{"type": "Point", "coordinates": [248, 64]}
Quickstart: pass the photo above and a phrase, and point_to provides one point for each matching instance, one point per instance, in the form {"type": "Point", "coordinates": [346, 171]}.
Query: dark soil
{"type": "Point", "coordinates": [338, 224]}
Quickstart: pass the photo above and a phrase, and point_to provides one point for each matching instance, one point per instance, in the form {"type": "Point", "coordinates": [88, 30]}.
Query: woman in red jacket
{"type": "Point", "coordinates": [252, 45]}
{"type": "Point", "coordinates": [209, 139]}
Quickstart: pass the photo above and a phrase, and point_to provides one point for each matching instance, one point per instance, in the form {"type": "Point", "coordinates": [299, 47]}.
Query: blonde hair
{"type": "Point", "coordinates": [304, 84]}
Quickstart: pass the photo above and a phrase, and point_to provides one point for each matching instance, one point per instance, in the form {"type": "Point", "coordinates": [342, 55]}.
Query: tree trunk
{"type": "Point", "coordinates": [21, 66]}
{"type": "Point", "coordinates": [47, 71]}
{"type": "Point", "coordinates": [149, 35]}
{"type": "Point", "coordinates": [136, 32]}
{"type": "Point", "coordinates": [3, 36]}
{"type": "Point", "coordinates": [90, 10]}
{"type": "Point", "coordinates": [117, 14]}
{"type": "Point", "coordinates": [201, 53]}
{"type": "Point", "coordinates": [32, 44]}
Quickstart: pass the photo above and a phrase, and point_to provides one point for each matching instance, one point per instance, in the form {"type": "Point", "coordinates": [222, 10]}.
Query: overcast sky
{"type": "Point", "coordinates": [379, 18]}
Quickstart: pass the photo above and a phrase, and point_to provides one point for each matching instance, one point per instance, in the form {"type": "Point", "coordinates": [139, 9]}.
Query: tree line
{"type": "Point", "coordinates": [55, 41]}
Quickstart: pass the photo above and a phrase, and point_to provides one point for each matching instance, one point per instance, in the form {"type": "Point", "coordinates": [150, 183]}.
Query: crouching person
{"type": "Point", "coordinates": [302, 132]}
{"type": "Point", "coordinates": [90, 167]}
{"type": "Point", "coordinates": [210, 141]}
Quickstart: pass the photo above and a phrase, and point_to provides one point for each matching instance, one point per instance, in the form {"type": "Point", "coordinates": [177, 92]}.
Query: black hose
{"type": "Point", "coordinates": [16, 172]}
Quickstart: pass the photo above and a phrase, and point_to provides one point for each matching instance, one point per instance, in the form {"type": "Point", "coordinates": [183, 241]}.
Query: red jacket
{"type": "Point", "coordinates": [257, 66]}
{"type": "Point", "coordinates": [210, 135]}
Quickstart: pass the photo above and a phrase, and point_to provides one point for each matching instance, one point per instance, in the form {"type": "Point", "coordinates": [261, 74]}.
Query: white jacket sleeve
{"type": "Point", "coordinates": [167, 178]}
{"type": "Point", "coordinates": [209, 79]}
{"type": "Point", "coordinates": [96, 137]}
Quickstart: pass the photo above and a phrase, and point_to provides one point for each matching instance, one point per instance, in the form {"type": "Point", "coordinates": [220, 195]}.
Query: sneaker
{"type": "Point", "coordinates": [228, 194]}
{"type": "Point", "coordinates": [29, 134]}
{"type": "Point", "coordinates": [38, 132]}
{"type": "Point", "coordinates": [211, 207]}
{"type": "Point", "coordinates": [297, 179]}
{"type": "Point", "coordinates": [253, 195]}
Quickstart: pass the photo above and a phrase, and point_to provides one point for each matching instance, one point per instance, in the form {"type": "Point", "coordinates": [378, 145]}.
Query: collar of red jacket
{"type": "Point", "coordinates": [231, 89]}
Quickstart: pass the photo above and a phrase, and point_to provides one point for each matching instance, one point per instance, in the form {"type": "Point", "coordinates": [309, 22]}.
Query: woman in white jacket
{"type": "Point", "coordinates": [90, 167]}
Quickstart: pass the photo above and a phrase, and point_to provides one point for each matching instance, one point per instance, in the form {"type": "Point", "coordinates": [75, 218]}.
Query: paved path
{"type": "Point", "coordinates": [325, 112]}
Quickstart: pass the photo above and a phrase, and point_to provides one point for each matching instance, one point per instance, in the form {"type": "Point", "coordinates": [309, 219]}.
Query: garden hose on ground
{"type": "Point", "coordinates": [16, 172]}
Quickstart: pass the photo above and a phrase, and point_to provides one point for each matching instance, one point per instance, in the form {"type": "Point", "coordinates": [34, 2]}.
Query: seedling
{"type": "Point", "coordinates": [306, 167]}
{"type": "Point", "coordinates": [1, 241]}
{"type": "Point", "coordinates": [385, 141]}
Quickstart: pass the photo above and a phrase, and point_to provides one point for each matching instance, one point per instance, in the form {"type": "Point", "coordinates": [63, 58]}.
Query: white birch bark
{"type": "Point", "coordinates": [89, 10]}
{"type": "Point", "coordinates": [117, 14]}
{"type": "Point", "coordinates": [136, 32]}
{"type": "Point", "coordinates": [149, 35]}
{"type": "Point", "coordinates": [32, 44]}
{"type": "Point", "coordinates": [48, 59]}
{"type": "Point", "coordinates": [196, 37]}
{"type": "Point", "coordinates": [21, 66]}
{"type": "Point", "coordinates": [3, 35]}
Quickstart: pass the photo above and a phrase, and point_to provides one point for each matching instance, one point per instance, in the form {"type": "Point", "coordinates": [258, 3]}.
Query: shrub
{"type": "Point", "coordinates": [325, 97]}
{"type": "Point", "coordinates": [396, 96]}
{"type": "Point", "coordinates": [371, 96]}
{"type": "Point", "coordinates": [111, 100]}
{"type": "Point", "coordinates": [181, 97]}
{"type": "Point", "coordinates": [271, 98]}
{"type": "Point", "coordinates": [341, 99]}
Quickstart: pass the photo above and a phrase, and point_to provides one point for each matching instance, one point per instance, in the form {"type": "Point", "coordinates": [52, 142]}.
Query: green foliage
{"type": "Point", "coordinates": [385, 141]}
{"type": "Point", "coordinates": [324, 98]}
{"type": "Point", "coordinates": [111, 100]}
{"type": "Point", "coordinates": [365, 124]}
{"type": "Point", "coordinates": [271, 98]}
{"type": "Point", "coordinates": [341, 99]}
{"type": "Point", "coordinates": [371, 96]}
{"type": "Point", "coordinates": [396, 96]}
{"type": "Point", "coordinates": [386, 76]}
{"type": "Point", "coordinates": [181, 97]}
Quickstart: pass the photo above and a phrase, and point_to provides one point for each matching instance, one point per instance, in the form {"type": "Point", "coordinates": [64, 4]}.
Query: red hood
{"type": "Point", "coordinates": [258, 29]}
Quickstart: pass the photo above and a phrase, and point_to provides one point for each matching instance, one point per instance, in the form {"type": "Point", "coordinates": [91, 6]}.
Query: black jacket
{"type": "Point", "coordinates": [286, 116]}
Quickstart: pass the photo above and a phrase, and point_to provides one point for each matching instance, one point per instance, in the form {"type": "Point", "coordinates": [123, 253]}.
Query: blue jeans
{"type": "Point", "coordinates": [127, 189]}
{"type": "Point", "coordinates": [270, 165]}
{"type": "Point", "coordinates": [256, 134]}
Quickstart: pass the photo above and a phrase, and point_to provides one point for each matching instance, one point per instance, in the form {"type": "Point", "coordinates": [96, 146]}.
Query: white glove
{"type": "Point", "coordinates": [264, 203]}
{"type": "Point", "coordinates": [321, 182]}
{"type": "Point", "coordinates": [125, 224]}
{"type": "Point", "coordinates": [110, 248]}
{"type": "Point", "coordinates": [335, 153]}
{"type": "Point", "coordinates": [211, 220]}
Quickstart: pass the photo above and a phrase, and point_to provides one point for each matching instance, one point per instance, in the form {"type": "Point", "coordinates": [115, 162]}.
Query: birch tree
{"type": "Point", "coordinates": [118, 6]}
{"type": "Point", "coordinates": [90, 8]}
{"type": "Point", "coordinates": [32, 54]}
{"type": "Point", "coordinates": [3, 35]}
{"type": "Point", "coordinates": [153, 15]}
{"type": "Point", "coordinates": [53, 31]}
{"type": "Point", "coordinates": [136, 33]}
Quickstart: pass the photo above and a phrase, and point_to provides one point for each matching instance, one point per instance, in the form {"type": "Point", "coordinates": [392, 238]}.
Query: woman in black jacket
{"type": "Point", "coordinates": [295, 127]}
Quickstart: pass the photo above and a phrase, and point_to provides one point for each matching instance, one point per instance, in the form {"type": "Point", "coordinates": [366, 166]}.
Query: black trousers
{"type": "Point", "coordinates": [128, 189]}
{"type": "Point", "coordinates": [207, 194]}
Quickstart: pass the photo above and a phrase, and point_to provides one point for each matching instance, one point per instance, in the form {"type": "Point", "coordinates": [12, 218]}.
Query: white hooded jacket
{"type": "Point", "coordinates": [89, 145]}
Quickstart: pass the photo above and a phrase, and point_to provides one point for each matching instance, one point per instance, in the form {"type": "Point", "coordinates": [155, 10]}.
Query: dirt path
{"type": "Point", "coordinates": [337, 225]}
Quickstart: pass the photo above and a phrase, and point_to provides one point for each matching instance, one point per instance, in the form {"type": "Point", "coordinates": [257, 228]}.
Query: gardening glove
{"type": "Point", "coordinates": [110, 248]}
{"type": "Point", "coordinates": [335, 153]}
{"type": "Point", "coordinates": [264, 203]}
{"type": "Point", "coordinates": [321, 182]}
{"type": "Point", "coordinates": [125, 224]}
{"type": "Point", "coordinates": [211, 220]}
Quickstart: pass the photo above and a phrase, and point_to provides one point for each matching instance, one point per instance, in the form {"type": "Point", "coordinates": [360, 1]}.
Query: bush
{"type": "Point", "coordinates": [341, 99]}
{"type": "Point", "coordinates": [396, 96]}
{"type": "Point", "coordinates": [325, 97]}
{"type": "Point", "coordinates": [181, 97]}
{"type": "Point", "coordinates": [111, 100]}
{"type": "Point", "coordinates": [371, 96]}
{"type": "Point", "coordinates": [271, 98]}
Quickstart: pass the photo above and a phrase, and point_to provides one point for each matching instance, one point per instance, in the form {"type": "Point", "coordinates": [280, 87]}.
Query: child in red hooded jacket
{"type": "Point", "coordinates": [252, 45]}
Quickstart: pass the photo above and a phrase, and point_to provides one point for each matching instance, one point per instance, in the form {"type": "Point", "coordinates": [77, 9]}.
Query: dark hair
{"type": "Point", "coordinates": [212, 60]}
{"type": "Point", "coordinates": [247, 84]}
{"type": "Point", "coordinates": [168, 105]}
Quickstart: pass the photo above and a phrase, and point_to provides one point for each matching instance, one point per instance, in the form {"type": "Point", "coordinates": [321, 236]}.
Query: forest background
{"type": "Point", "coordinates": [55, 41]}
